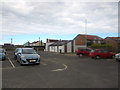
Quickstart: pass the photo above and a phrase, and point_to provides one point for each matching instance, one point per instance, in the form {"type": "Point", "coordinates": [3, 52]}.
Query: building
{"type": "Point", "coordinates": [70, 46]}
{"type": "Point", "coordinates": [27, 44]}
{"type": "Point", "coordinates": [62, 46]}
{"type": "Point", "coordinates": [84, 41]}
{"type": "Point", "coordinates": [37, 43]}
{"type": "Point", "coordinates": [49, 42]}
{"type": "Point", "coordinates": [114, 41]}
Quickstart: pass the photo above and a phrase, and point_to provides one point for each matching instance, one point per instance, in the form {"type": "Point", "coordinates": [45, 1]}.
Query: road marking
{"type": "Point", "coordinates": [65, 67]}
{"type": "Point", "coordinates": [11, 63]}
{"type": "Point", "coordinates": [44, 64]}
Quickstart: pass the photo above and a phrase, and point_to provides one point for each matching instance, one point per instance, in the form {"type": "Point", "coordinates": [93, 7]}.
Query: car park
{"type": "Point", "coordinates": [83, 51]}
{"type": "Point", "coordinates": [2, 54]}
{"type": "Point", "coordinates": [27, 56]}
{"type": "Point", "coordinates": [117, 57]}
{"type": "Point", "coordinates": [101, 53]}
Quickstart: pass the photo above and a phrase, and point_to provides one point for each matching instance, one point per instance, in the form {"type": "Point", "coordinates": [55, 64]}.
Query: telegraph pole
{"type": "Point", "coordinates": [86, 31]}
{"type": "Point", "coordinates": [39, 41]}
{"type": "Point", "coordinates": [11, 40]}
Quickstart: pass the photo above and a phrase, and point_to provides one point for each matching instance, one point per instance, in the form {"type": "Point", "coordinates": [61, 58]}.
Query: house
{"type": "Point", "coordinates": [27, 44]}
{"type": "Point", "coordinates": [83, 41]}
{"type": "Point", "coordinates": [49, 42]}
{"type": "Point", "coordinates": [114, 41]}
{"type": "Point", "coordinates": [37, 43]}
{"type": "Point", "coordinates": [62, 46]}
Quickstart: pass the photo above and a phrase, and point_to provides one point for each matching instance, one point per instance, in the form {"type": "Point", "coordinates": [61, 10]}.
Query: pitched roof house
{"type": "Point", "coordinates": [83, 41]}
{"type": "Point", "coordinates": [114, 41]}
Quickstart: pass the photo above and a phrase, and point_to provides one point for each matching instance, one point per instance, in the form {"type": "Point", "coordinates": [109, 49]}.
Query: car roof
{"type": "Point", "coordinates": [26, 48]}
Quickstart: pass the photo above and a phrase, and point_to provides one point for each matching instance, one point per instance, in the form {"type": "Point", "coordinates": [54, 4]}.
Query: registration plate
{"type": "Point", "coordinates": [32, 60]}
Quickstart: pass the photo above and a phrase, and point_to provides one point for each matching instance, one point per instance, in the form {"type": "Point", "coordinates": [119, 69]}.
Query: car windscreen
{"type": "Point", "coordinates": [28, 51]}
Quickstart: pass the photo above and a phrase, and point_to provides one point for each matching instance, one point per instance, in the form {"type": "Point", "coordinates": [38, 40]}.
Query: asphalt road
{"type": "Point", "coordinates": [60, 71]}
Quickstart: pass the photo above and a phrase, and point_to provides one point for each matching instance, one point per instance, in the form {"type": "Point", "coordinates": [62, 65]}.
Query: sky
{"type": "Point", "coordinates": [27, 21]}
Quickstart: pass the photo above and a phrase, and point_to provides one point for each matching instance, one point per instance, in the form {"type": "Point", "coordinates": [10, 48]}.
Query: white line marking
{"type": "Point", "coordinates": [11, 63]}
{"type": "Point", "coordinates": [65, 67]}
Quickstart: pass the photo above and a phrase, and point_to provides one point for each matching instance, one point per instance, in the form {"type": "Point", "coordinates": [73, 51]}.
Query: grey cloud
{"type": "Point", "coordinates": [55, 17]}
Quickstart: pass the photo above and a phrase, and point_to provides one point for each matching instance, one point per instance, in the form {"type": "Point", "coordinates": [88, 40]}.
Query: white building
{"type": "Point", "coordinates": [63, 46]}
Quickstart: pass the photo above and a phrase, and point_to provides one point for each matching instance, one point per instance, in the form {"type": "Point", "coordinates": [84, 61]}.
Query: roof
{"type": "Point", "coordinates": [60, 43]}
{"type": "Point", "coordinates": [90, 37]}
{"type": "Point", "coordinates": [114, 38]}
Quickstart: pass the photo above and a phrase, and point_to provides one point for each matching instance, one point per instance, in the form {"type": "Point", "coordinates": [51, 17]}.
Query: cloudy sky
{"type": "Point", "coordinates": [27, 21]}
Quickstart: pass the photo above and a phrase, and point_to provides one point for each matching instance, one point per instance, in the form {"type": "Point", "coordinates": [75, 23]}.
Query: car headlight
{"type": "Point", "coordinates": [22, 56]}
{"type": "Point", "coordinates": [39, 56]}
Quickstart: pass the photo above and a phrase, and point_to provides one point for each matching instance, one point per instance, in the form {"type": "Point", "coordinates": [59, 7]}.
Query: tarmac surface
{"type": "Point", "coordinates": [60, 71]}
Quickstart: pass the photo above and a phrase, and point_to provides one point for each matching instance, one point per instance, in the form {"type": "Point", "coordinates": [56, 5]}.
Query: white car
{"type": "Point", "coordinates": [117, 56]}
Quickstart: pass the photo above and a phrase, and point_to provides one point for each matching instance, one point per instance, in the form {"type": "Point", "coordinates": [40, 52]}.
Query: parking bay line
{"type": "Point", "coordinates": [11, 63]}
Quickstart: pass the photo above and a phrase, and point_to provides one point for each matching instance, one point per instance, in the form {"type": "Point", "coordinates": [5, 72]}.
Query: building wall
{"type": "Point", "coordinates": [69, 47]}
{"type": "Point", "coordinates": [62, 48]}
{"type": "Point", "coordinates": [47, 44]}
{"type": "Point", "coordinates": [55, 49]}
{"type": "Point", "coordinates": [111, 42]}
{"type": "Point", "coordinates": [80, 40]}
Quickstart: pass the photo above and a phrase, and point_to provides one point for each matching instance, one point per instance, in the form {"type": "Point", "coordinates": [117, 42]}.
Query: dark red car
{"type": "Point", "coordinates": [82, 52]}
{"type": "Point", "coordinates": [100, 53]}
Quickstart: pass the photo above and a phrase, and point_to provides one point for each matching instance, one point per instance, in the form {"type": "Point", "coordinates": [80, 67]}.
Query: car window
{"type": "Point", "coordinates": [83, 49]}
{"type": "Point", "coordinates": [100, 51]}
{"type": "Point", "coordinates": [28, 51]}
{"type": "Point", "coordinates": [104, 51]}
{"type": "Point", "coordinates": [88, 50]}
{"type": "Point", "coordinates": [16, 50]}
{"type": "Point", "coordinates": [19, 50]}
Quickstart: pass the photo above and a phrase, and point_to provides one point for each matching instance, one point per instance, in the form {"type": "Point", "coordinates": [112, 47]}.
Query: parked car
{"type": "Point", "coordinates": [100, 53]}
{"type": "Point", "coordinates": [2, 54]}
{"type": "Point", "coordinates": [117, 56]}
{"type": "Point", "coordinates": [27, 56]}
{"type": "Point", "coordinates": [82, 51]}
{"type": "Point", "coordinates": [15, 53]}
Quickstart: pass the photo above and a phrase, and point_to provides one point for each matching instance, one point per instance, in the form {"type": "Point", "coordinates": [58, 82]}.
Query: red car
{"type": "Point", "coordinates": [82, 52]}
{"type": "Point", "coordinates": [100, 53]}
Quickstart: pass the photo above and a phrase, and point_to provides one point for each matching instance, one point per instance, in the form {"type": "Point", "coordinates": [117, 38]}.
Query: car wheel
{"type": "Point", "coordinates": [80, 54]}
{"type": "Point", "coordinates": [97, 57]}
{"type": "Point", "coordinates": [113, 56]}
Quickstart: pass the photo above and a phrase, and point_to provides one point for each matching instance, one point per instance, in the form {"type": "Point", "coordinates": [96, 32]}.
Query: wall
{"type": "Point", "coordinates": [46, 46]}
{"type": "Point", "coordinates": [62, 48]}
{"type": "Point", "coordinates": [69, 47]}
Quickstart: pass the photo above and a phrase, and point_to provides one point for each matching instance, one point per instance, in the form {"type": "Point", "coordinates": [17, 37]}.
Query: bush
{"type": "Point", "coordinates": [103, 46]}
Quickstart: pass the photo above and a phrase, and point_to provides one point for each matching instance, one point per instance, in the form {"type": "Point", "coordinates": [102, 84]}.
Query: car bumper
{"type": "Point", "coordinates": [117, 58]}
{"type": "Point", "coordinates": [28, 62]}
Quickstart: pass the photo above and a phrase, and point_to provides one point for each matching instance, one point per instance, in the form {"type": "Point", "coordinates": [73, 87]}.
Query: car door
{"type": "Point", "coordinates": [87, 51]}
{"type": "Point", "coordinates": [104, 53]}
{"type": "Point", "coordinates": [19, 54]}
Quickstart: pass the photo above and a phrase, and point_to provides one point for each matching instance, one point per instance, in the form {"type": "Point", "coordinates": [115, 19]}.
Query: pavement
{"type": "Point", "coordinates": [60, 71]}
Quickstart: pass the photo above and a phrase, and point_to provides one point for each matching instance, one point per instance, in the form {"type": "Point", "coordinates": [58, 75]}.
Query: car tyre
{"type": "Point", "coordinates": [113, 56]}
{"type": "Point", "coordinates": [80, 55]}
{"type": "Point", "coordinates": [97, 57]}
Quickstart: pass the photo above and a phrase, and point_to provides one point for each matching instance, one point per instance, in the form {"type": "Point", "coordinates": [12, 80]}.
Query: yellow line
{"type": "Point", "coordinates": [11, 63]}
